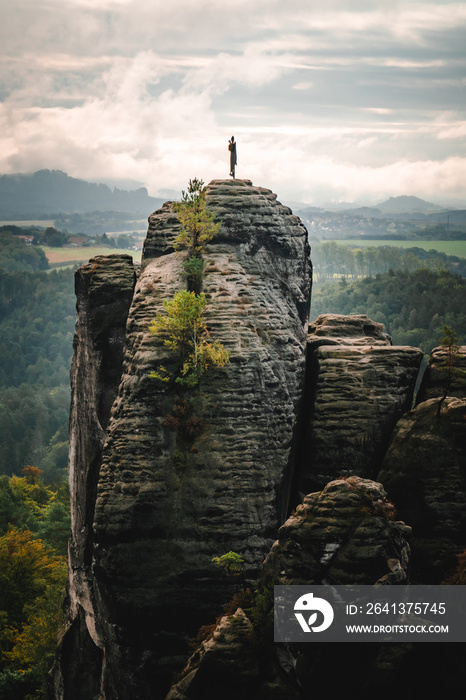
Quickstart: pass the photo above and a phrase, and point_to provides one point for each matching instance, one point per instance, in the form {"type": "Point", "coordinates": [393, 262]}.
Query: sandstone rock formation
{"type": "Point", "coordinates": [337, 329]}
{"type": "Point", "coordinates": [424, 469]}
{"type": "Point", "coordinates": [344, 534]}
{"type": "Point", "coordinates": [225, 666]}
{"type": "Point", "coordinates": [358, 387]}
{"type": "Point", "coordinates": [163, 481]}
{"type": "Point", "coordinates": [169, 499]}
{"type": "Point", "coordinates": [424, 473]}
{"type": "Point", "coordinates": [104, 290]}
{"type": "Point", "coordinates": [435, 377]}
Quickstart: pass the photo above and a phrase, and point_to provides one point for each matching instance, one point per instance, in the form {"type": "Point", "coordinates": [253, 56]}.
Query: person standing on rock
{"type": "Point", "coordinates": [233, 161]}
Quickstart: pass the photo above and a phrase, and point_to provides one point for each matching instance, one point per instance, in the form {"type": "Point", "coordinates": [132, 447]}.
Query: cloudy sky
{"type": "Point", "coordinates": [329, 100]}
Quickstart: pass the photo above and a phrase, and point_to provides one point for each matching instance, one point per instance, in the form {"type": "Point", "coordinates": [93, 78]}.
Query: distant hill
{"type": "Point", "coordinates": [365, 211]}
{"type": "Point", "coordinates": [406, 204]}
{"type": "Point", "coordinates": [50, 192]}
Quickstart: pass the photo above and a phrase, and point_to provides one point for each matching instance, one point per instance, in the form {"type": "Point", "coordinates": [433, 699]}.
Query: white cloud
{"type": "Point", "coordinates": [251, 68]}
{"type": "Point", "coordinates": [333, 96]}
{"type": "Point", "coordinates": [302, 86]}
{"type": "Point", "coordinates": [378, 110]}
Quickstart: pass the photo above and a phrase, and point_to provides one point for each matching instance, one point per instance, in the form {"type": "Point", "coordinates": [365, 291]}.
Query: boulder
{"type": "Point", "coordinates": [224, 666]}
{"type": "Point", "coordinates": [344, 534]}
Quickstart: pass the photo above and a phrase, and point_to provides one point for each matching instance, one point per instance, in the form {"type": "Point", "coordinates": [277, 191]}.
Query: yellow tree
{"type": "Point", "coordinates": [32, 588]}
{"type": "Point", "coordinates": [26, 569]}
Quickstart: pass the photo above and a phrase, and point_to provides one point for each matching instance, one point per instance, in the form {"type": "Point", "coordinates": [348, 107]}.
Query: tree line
{"type": "Point", "coordinates": [15, 255]}
{"type": "Point", "coordinates": [413, 306]}
{"type": "Point", "coordinates": [12, 244]}
{"type": "Point", "coordinates": [332, 259]}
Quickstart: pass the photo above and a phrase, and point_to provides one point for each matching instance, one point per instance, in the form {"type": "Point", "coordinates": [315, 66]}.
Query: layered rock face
{"type": "Point", "coordinates": [424, 472]}
{"type": "Point", "coordinates": [359, 385]}
{"type": "Point", "coordinates": [435, 377]}
{"type": "Point", "coordinates": [169, 498]}
{"type": "Point", "coordinates": [344, 534]}
{"type": "Point", "coordinates": [104, 290]}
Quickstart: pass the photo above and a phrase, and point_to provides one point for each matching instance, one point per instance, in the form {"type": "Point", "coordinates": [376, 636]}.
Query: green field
{"type": "Point", "coordinates": [29, 222]}
{"type": "Point", "coordinates": [457, 248]}
{"type": "Point", "coordinates": [62, 257]}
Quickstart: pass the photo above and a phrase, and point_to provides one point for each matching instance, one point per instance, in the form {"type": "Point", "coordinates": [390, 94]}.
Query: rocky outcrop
{"type": "Point", "coordinates": [424, 473]}
{"type": "Point", "coordinates": [344, 534]}
{"type": "Point", "coordinates": [225, 665]}
{"type": "Point", "coordinates": [104, 289]}
{"type": "Point", "coordinates": [424, 470]}
{"type": "Point", "coordinates": [163, 481]}
{"type": "Point", "coordinates": [354, 330]}
{"type": "Point", "coordinates": [181, 481]}
{"type": "Point", "coordinates": [359, 385]}
{"type": "Point", "coordinates": [434, 381]}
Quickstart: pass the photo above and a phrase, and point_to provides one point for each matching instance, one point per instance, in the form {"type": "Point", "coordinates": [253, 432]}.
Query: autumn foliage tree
{"type": "Point", "coordinates": [32, 586]}
{"type": "Point", "coordinates": [34, 524]}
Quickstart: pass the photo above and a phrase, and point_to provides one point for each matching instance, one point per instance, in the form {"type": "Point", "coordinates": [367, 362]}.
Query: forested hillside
{"type": "Point", "coordinates": [334, 259]}
{"type": "Point", "coordinates": [16, 255]}
{"type": "Point", "coordinates": [53, 191]}
{"type": "Point", "coordinates": [37, 316]}
{"type": "Point", "coordinates": [412, 305]}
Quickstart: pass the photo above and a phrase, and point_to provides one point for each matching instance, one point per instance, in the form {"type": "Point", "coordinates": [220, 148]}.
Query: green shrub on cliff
{"type": "Point", "coordinates": [231, 562]}
{"type": "Point", "coordinates": [198, 222]}
{"type": "Point", "coordinates": [448, 366]}
{"type": "Point", "coordinates": [183, 329]}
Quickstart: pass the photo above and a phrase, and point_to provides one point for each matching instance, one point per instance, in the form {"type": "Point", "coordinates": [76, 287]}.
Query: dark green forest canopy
{"type": "Point", "coordinates": [15, 254]}
{"type": "Point", "coordinates": [413, 306]}
{"type": "Point", "coordinates": [37, 317]}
